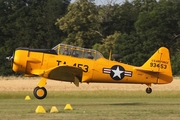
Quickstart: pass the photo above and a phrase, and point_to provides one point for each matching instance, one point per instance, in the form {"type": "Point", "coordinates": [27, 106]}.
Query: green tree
{"type": "Point", "coordinates": [108, 44]}
{"type": "Point", "coordinates": [145, 5]}
{"type": "Point", "coordinates": [175, 60]}
{"type": "Point", "coordinates": [80, 24]}
{"type": "Point", "coordinates": [115, 20]}
{"type": "Point", "coordinates": [160, 27]}
{"type": "Point", "coordinates": [131, 49]}
{"type": "Point", "coordinates": [31, 24]}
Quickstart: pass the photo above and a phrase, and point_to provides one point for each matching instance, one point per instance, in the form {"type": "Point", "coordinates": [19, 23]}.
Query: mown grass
{"type": "Point", "coordinates": [93, 105]}
{"type": "Point", "coordinates": [92, 94]}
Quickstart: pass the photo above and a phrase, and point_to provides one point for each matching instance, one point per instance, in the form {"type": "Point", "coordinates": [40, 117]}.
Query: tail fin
{"type": "Point", "coordinates": [159, 62]}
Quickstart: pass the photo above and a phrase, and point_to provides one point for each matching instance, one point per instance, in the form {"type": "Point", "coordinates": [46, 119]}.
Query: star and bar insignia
{"type": "Point", "coordinates": [117, 72]}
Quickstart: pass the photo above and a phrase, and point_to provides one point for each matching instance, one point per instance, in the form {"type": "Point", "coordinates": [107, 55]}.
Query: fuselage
{"type": "Point", "coordinates": [94, 70]}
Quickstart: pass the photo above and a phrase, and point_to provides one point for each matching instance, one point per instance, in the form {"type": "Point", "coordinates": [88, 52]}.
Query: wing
{"type": "Point", "coordinates": [62, 73]}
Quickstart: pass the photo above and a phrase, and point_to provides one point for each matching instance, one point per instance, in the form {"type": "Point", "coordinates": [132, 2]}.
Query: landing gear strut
{"type": "Point", "coordinates": [40, 92]}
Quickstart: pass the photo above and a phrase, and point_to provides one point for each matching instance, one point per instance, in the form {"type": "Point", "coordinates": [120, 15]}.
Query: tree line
{"type": "Point", "coordinates": [135, 30]}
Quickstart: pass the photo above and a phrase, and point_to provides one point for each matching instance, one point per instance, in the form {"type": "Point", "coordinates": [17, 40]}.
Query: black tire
{"type": "Point", "coordinates": [40, 93]}
{"type": "Point", "coordinates": [148, 90]}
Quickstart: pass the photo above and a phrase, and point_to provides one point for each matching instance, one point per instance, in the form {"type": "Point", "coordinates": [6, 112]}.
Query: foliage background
{"type": "Point", "coordinates": [135, 30]}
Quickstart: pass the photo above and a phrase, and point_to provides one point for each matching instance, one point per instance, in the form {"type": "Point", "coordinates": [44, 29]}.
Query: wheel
{"type": "Point", "coordinates": [148, 90]}
{"type": "Point", "coordinates": [40, 93]}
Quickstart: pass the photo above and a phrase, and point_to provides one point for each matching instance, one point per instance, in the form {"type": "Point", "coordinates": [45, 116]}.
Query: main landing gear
{"type": "Point", "coordinates": [149, 89]}
{"type": "Point", "coordinates": [40, 92]}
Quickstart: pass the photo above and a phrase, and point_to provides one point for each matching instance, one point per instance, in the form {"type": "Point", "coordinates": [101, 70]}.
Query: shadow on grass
{"type": "Point", "coordinates": [136, 104]}
{"type": "Point", "coordinates": [127, 104]}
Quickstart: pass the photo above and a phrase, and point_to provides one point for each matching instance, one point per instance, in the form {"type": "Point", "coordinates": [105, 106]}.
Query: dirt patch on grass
{"type": "Point", "coordinates": [28, 84]}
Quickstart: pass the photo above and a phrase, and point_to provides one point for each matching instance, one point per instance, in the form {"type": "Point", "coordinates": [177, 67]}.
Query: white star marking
{"type": "Point", "coordinates": [117, 72]}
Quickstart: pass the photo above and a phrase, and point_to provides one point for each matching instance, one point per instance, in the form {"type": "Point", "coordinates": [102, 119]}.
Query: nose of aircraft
{"type": "Point", "coordinates": [18, 60]}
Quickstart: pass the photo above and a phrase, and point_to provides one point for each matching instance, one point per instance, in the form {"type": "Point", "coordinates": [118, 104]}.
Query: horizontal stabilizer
{"type": "Point", "coordinates": [145, 70]}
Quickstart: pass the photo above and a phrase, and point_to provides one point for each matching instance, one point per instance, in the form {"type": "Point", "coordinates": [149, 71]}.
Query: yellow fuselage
{"type": "Point", "coordinates": [99, 70]}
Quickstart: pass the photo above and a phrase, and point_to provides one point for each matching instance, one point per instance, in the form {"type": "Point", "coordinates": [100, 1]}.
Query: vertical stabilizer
{"type": "Point", "coordinates": [160, 62]}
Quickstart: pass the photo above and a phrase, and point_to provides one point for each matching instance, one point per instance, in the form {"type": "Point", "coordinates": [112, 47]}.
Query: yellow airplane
{"type": "Point", "coordinates": [78, 65]}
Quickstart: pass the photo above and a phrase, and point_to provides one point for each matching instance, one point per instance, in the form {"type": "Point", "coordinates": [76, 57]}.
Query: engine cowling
{"type": "Point", "coordinates": [20, 60]}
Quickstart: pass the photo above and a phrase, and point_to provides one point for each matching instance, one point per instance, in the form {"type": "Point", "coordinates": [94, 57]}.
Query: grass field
{"type": "Point", "coordinates": [92, 102]}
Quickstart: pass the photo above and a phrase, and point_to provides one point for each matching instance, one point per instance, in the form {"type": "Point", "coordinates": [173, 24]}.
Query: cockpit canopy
{"type": "Point", "coordinates": [78, 52]}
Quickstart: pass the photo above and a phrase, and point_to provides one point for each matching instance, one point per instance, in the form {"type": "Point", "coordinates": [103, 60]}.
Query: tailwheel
{"type": "Point", "coordinates": [40, 92]}
{"type": "Point", "coordinates": [148, 90]}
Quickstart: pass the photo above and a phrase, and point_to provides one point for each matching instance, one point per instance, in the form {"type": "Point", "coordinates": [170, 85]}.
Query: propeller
{"type": "Point", "coordinates": [11, 59]}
